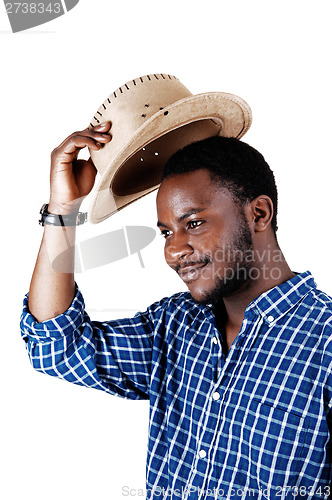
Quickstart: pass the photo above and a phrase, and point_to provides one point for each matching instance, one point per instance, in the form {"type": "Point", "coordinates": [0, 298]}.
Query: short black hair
{"type": "Point", "coordinates": [237, 166]}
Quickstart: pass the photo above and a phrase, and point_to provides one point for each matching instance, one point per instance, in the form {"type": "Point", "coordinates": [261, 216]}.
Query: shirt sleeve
{"type": "Point", "coordinates": [113, 356]}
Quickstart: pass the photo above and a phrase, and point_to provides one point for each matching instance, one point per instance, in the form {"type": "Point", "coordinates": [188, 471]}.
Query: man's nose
{"type": "Point", "coordinates": [179, 248]}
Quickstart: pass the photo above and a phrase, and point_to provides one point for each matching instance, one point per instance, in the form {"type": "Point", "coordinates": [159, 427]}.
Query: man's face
{"type": "Point", "coordinates": [207, 238]}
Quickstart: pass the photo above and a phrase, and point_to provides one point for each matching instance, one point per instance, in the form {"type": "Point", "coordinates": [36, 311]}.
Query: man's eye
{"type": "Point", "coordinates": [193, 224]}
{"type": "Point", "coordinates": [165, 233]}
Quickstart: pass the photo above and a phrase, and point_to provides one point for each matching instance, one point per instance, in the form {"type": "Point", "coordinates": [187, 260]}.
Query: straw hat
{"type": "Point", "coordinates": [153, 117]}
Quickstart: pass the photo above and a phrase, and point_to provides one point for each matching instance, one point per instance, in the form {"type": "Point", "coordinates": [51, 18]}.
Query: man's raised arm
{"type": "Point", "coordinates": [52, 290]}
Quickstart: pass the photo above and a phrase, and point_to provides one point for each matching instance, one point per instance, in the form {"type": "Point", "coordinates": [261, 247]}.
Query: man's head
{"type": "Point", "coordinates": [214, 196]}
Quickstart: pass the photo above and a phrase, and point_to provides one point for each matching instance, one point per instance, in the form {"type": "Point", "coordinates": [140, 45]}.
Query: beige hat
{"type": "Point", "coordinates": [153, 117]}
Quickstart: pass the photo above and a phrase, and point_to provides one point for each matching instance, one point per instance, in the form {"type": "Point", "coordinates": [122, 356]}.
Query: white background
{"type": "Point", "coordinates": [63, 441]}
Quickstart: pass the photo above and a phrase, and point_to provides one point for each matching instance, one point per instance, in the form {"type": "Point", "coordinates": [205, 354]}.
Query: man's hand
{"type": "Point", "coordinates": [73, 179]}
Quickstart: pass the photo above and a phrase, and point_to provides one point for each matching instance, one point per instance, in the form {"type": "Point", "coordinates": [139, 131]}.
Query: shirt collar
{"type": "Point", "coordinates": [279, 300]}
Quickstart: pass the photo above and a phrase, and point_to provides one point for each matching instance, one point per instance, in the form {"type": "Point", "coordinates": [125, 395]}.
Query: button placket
{"type": "Point", "coordinates": [205, 439]}
{"type": "Point", "coordinates": [217, 356]}
{"type": "Point", "coordinates": [215, 407]}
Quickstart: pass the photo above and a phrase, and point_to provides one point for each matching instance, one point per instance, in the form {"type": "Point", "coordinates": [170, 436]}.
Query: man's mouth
{"type": "Point", "coordinates": [191, 273]}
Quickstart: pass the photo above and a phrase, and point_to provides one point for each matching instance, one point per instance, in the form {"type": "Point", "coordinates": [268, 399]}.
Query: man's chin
{"type": "Point", "coordinates": [218, 291]}
{"type": "Point", "coordinates": [204, 295]}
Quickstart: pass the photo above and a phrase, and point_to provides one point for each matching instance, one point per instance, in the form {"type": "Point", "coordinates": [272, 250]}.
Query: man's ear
{"type": "Point", "coordinates": [261, 213]}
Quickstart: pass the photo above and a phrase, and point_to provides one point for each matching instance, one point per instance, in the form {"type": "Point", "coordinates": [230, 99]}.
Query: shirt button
{"type": "Point", "coordinates": [202, 453]}
{"type": "Point", "coordinates": [216, 396]}
{"type": "Point", "coordinates": [270, 319]}
{"type": "Point", "coordinates": [214, 340]}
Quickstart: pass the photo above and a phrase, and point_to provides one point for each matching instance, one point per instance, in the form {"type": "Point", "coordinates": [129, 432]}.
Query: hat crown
{"type": "Point", "coordinates": [131, 105]}
{"type": "Point", "coordinates": [152, 117]}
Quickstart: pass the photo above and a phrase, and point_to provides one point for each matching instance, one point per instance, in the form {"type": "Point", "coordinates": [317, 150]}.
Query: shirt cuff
{"type": "Point", "coordinates": [54, 328]}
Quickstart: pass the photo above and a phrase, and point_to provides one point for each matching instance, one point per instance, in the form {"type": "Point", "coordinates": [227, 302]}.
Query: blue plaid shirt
{"type": "Point", "coordinates": [253, 424]}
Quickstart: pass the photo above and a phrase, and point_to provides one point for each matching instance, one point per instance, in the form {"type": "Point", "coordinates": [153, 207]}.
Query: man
{"type": "Point", "coordinates": [238, 369]}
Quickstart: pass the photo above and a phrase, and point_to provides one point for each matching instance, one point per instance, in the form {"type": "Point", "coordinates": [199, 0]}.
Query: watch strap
{"type": "Point", "coordinates": [46, 218]}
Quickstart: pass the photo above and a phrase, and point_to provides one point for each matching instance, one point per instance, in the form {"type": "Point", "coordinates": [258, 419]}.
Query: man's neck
{"type": "Point", "coordinates": [270, 273]}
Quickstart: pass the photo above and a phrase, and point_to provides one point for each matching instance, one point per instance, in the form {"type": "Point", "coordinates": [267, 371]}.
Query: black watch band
{"type": "Point", "coordinates": [46, 218]}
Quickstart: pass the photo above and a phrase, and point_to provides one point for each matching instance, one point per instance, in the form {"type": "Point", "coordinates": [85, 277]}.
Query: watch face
{"type": "Point", "coordinates": [47, 218]}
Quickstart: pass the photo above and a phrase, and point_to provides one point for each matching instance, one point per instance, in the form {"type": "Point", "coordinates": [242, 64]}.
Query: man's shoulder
{"type": "Point", "coordinates": [323, 302]}
{"type": "Point", "coordinates": [322, 317]}
{"type": "Point", "coordinates": [319, 305]}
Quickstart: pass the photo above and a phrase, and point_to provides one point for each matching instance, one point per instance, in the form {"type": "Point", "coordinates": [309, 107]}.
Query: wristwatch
{"type": "Point", "coordinates": [76, 219]}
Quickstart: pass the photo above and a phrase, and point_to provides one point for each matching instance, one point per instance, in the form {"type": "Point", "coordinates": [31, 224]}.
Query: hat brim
{"type": "Point", "coordinates": [127, 178]}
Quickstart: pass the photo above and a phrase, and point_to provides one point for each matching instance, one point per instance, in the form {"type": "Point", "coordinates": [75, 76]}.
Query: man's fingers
{"type": "Point", "coordinates": [99, 133]}
{"type": "Point", "coordinates": [102, 126]}
{"type": "Point", "coordinates": [75, 143]}
{"type": "Point", "coordinates": [78, 142]}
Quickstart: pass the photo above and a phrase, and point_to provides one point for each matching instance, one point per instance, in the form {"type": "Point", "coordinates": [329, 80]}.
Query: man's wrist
{"type": "Point", "coordinates": [69, 208]}
{"type": "Point", "coordinates": [73, 218]}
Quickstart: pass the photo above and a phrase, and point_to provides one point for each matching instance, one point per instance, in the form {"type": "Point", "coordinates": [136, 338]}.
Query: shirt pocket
{"type": "Point", "coordinates": [276, 439]}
